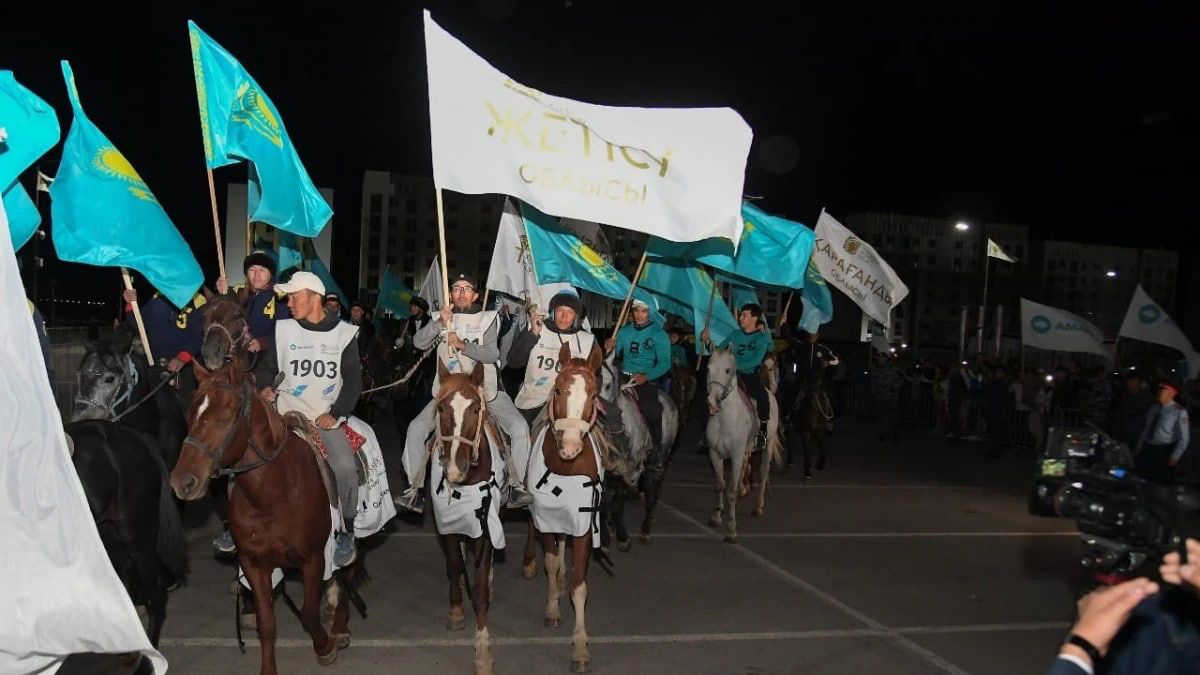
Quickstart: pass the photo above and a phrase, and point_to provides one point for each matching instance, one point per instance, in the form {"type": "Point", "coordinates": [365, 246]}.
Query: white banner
{"type": "Point", "coordinates": [511, 269]}
{"type": "Point", "coordinates": [432, 289]}
{"type": "Point", "coordinates": [1145, 320]}
{"type": "Point", "coordinates": [676, 173]}
{"type": "Point", "coordinates": [61, 595]}
{"type": "Point", "coordinates": [995, 251]}
{"type": "Point", "coordinates": [852, 266]}
{"type": "Point", "coordinates": [1058, 330]}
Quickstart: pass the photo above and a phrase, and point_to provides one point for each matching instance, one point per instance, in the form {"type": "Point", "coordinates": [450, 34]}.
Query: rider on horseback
{"type": "Point", "coordinates": [320, 378]}
{"type": "Point", "coordinates": [750, 347]}
{"type": "Point", "coordinates": [536, 349]}
{"type": "Point", "coordinates": [471, 341]}
{"type": "Point", "coordinates": [811, 363]}
{"type": "Point", "coordinates": [645, 353]}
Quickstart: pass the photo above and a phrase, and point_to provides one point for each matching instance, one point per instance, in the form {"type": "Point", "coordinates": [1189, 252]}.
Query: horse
{"type": "Point", "coordinates": [808, 421]}
{"type": "Point", "coordinates": [466, 499]}
{"type": "Point", "coordinates": [280, 510]}
{"type": "Point", "coordinates": [115, 385]}
{"type": "Point", "coordinates": [125, 482]}
{"type": "Point", "coordinates": [637, 434]}
{"type": "Point", "coordinates": [411, 396]}
{"type": "Point", "coordinates": [567, 492]}
{"type": "Point", "coordinates": [683, 390]}
{"type": "Point", "coordinates": [226, 334]}
{"type": "Point", "coordinates": [732, 427]}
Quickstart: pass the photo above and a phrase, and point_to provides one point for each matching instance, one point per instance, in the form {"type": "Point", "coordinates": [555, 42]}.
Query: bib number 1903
{"type": "Point", "coordinates": [306, 367]}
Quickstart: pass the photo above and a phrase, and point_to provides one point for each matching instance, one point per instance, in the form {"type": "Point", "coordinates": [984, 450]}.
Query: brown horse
{"type": "Point", "coordinates": [279, 509]}
{"type": "Point", "coordinates": [226, 333]}
{"type": "Point", "coordinates": [571, 467]}
{"type": "Point", "coordinates": [465, 460]}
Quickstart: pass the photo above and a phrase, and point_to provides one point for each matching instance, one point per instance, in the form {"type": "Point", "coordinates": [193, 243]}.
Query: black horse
{"type": "Point", "coordinates": [116, 384]}
{"type": "Point", "coordinates": [411, 397]}
{"type": "Point", "coordinates": [129, 495]}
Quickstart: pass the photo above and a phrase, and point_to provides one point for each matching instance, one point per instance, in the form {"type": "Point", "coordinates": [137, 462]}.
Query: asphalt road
{"type": "Point", "coordinates": [916, 557]}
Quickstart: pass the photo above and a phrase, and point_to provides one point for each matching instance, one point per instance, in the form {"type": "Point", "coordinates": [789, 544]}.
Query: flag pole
{"type": "Point", "coordinates": [137, 316]}
{"type": "Point", "coordinates": [441, 218]}
{"type": "Point", "coordinates": [212, 198]}
{"type": "Point", "coordinates": [712, 296]}
{"type": "Point", "coordinates": [784, 316]}
{"type": "Point", "coordinates": [625, 307]}
{"type": "Point", "coordinates": [982, 303]}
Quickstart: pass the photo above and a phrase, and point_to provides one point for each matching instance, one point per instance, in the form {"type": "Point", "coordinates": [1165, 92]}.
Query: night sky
{"type": "Point", "coordinates": [1078, 119]}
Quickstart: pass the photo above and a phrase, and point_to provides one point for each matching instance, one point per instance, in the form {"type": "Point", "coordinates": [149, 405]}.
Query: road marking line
{"type": "Point", "coordinates": [983, 628]}
{"type": "Point", "coordinates": [840, 486]}
{"type": "Point", "coordinates": [797, 582]}
{"type": "Point", "coordinates": [863, 535]}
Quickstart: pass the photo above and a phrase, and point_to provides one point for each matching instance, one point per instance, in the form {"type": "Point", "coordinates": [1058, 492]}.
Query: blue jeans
{"type": "Point", "coordinates": [1162, 637]}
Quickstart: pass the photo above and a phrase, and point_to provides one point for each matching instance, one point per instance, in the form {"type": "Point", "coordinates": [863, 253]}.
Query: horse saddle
{"type": "Point", "coordinates": [306, 430]}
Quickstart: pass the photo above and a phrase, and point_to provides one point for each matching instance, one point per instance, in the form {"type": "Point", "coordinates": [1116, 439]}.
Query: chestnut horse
{"type": "Point", "coordinates": [567, 484]}
{"type": "Point", "coordinates": [466, 499]}
{"type": "Point", "coordinates": [279, 509]}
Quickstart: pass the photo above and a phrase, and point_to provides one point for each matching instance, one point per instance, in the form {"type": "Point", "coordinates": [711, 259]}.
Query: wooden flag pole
{"type": "Point", "coordinates": [625, 307]}
{"type": "Point", "coordinates": [212, 198]}
{"type": "Point", "coordinates": [137, 316]}
{"type": "Point", "coordinates": [784, 316]}
{"type": "Point", "coordinates": [712, 296]}
{"type": "Point", "coordinates": [441, 217]}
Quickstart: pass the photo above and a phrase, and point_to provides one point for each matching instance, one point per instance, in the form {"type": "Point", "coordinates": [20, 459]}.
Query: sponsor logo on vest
{"type": "Point", "coordinates": [329, 390]}
{"type": "Point", "coordinates": [299, 391]}
{"type": "Point", "coordinates": [1149, 313]}
{"type": "Point", "coordinates": [1040, 324]}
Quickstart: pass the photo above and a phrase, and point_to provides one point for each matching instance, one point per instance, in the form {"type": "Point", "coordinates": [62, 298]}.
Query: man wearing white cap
{"type": "Point", "coordinates": [644, 351]}
{"type": "Point", "coordinates": [471, 341]}
{"type": "Point", "coordinates": [320, 376]}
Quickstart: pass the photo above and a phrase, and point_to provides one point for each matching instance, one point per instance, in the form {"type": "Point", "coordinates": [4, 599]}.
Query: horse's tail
{"type": "Point", "coordinates": [171, 544]}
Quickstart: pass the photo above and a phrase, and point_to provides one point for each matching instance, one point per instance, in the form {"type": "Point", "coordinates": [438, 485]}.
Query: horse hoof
{"type": "Point", "coordinates": [456, 624]}
{"type": "Point", "coordinates": [249, 621]}
{"type": "Point", "coordinates": [550, 622]}
{"type": "Point", "coordinates": [644, 538]}
{"type": "Point", "coordinates": [329, 658]}
{"type": "Point", "coordinates": [529, 572]}
{"type": "Point", "coordinates": [342, 640]}
{"type": "Point", "coordinates": [624, 546]}
{"type": "Point", "coordinates": [579, 666]}
{"type": "Point", "coordinates": [731, 539]}
{"type": "Point", "coordinates": [756, 513]}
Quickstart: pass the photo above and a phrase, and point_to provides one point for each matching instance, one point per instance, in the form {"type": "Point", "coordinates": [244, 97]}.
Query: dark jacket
{"type": "Point", "coordinates": [173, 333]}
{"type": "Point", "coordinates": [263, 308]}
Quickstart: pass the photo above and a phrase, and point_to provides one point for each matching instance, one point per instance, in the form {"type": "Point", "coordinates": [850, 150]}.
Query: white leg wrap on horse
{"type": "Point", "coordinates": [483, 652]}
{"type": "Point", "coordinates": [579, 637]}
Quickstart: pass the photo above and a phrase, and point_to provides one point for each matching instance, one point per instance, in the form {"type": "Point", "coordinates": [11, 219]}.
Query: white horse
{"type": "Point", "coordinates": [623, 413]}
{"type": "Point", "coordinates": [731, 431]}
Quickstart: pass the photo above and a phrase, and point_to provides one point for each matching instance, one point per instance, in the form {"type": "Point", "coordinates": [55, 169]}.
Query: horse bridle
{"type": "Point", "coordinates": [727, 389]}
{"type": "Point", "coordinates": [245, 400]}
{"type": "Point", "coordinates": [233, 344]}
{"type": "Point", "coordinates": [129, 381]}
{"type": "Point", "coordinates": [560, 425]}
{"type": "Point", "coordinates": [473, 442]}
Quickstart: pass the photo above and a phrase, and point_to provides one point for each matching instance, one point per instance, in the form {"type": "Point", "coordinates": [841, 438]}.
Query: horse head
{"type": "Point", "coordinates": [573, 403]}
{"type": "Point", "coordinates": [226, 333]}
{"type": "Point", "coordinates": [722, 376]}
{"type": "Point", "coordinates": [219, 427]}
{"type": "Point", "coordinates": [106, 376]}
{"type": "Point", "coordinates": [461, 409]}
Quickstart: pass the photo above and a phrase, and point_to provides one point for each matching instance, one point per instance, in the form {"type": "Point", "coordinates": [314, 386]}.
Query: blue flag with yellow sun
{"type": "Point", "coordinates": [28, 128]}
{"type": "Point", "coordinates": [394, 296]}
{"type": "Point", "coordinates": [561, 257]}
{"type": "Point", "coordinates": [818, 302]}
{"type": "Point", "coordinates": [104, 214]}
{"type": "Point", "coordinates": [683, 288]}
{"type": "Point", "coordinates": [240, 123]}
{"type": "Point", "coordinates": [774, 251]}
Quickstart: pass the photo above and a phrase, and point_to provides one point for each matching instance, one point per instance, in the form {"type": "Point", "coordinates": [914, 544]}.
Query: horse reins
{"type": "Point", "coordinates": [130, 379]}
{"type": "Point", "coordinates": [474, 442]}
{"type": "Point", "coordinates": [218, 455]}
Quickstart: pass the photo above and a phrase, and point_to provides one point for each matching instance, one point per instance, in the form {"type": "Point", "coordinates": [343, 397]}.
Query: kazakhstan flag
{"type": "Point", "coordinates": [774, 251]}
{"type": "Point", "coordinates": [818, 303]}
{"type": "Point", "coordinates": [240, 123]}
{"type": "Point", "coordinates": [104, 213]}
{"type": "Point", "coordinates": [684, 289]}
{"type": "Point", "coordinates": [23, 216]}
{"type": "Point", "coordinates": [561, 257]}
{"type": "Point", "coordinates": [28, 128]}
{"type": "Point", "coordinates": [394, 296]}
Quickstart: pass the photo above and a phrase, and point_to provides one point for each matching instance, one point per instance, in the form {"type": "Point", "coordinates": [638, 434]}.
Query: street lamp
{"type": "Point", "coordinates": [962, 227]}
{"type": "Point", "coordinates": [1111, 274]}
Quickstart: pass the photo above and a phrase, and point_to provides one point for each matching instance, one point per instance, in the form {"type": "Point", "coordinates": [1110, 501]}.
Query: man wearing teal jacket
{"type": "Point", "coordinates": [644, 351]}
{"type": "Point", "coordinates": [750, 346]}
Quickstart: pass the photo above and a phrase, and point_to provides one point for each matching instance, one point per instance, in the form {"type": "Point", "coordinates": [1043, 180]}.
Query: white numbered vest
{"type": "Point", "coordinates": [470, 328]}
{"type": "Point", "coordinates": [311, 363]}
{"type": "Point", "coordinates": [543, 365]}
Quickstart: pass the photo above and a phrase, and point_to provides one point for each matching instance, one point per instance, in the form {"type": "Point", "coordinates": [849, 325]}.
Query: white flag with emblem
{"type": "Point", "coordinates": [1058, 330]}
{"type": "Point", "coordinates": [675, 173]}
{"type": "Point", "coordinates": [61, 595]}
{"type": "Point", "coordinates": [852, 266]}
{"type": "Point", "coordinates": [511, 268]}
{"type": "Point", "coordinates": [994, 251]}
{"type": "Point", "coordinates": [1145, 320]}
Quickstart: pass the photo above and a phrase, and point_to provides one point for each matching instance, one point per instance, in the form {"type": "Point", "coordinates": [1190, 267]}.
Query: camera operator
{"type": "Point", "coordinates": [1165, 436]}
{"type": "Point", "coordinates": [1102, 613]}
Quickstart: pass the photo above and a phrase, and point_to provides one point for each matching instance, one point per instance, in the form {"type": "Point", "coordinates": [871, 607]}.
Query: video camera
{"type": "Point", "coordinates": [1125, 522]}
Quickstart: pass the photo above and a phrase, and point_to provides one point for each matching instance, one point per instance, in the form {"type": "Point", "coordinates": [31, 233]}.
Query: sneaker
{"type": "Point", "coordinates": [344, 551]}
{"type": "Point", "coordinates": [224, 542]}
{"type": "Point", "coordinates": [411, 499]}
{"type": "Point", "coordinates": [519, 497]}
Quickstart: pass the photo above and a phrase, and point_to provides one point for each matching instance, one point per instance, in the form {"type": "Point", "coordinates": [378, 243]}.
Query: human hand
{"type": "Point", "coordinates": [453, 340]}
{"type": "Point", "coordinates": [1102, 613]}
{"type": "Point", "coordinates": [609, 345]}
{"type": "Point", "coordinates": [1178, 574]}
{"type": "Point", "coordinates": [325, 421]}
{"type": "Point", "coordinates": [705, 337]}
{"type": "Point", "coordinates": [267, 395]}
{"type": "Point", "coordinates": [254, 346]}
{"type": "Point", "coordinates": [535, 323]}
{"type": "Point", "coordinates": [129, 295]}
{"type": "Point", "coordinates": [222, 285]}
{"type": "Point", "coordinates": [174, 365]}
{"type": "Point", "coordinates": [639, 379]}
{"type": "Point", "coordinates": [446, 315]}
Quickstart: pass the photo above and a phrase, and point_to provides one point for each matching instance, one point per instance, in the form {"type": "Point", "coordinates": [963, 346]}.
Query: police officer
{"type": "Point", "coordinates": [1165, 437]}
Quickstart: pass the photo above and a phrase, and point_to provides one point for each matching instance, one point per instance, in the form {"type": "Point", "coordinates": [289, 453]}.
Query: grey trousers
{"type": "Point", "coordinates": [509, 419]}
{"type": "Point", "coordinates": [345, 470]}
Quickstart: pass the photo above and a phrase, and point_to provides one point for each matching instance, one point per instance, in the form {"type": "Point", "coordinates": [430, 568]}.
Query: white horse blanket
{"type": "Point", "coordinates": [462, 509]}
{"type": "Point", "coordinates": [564, 504]}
